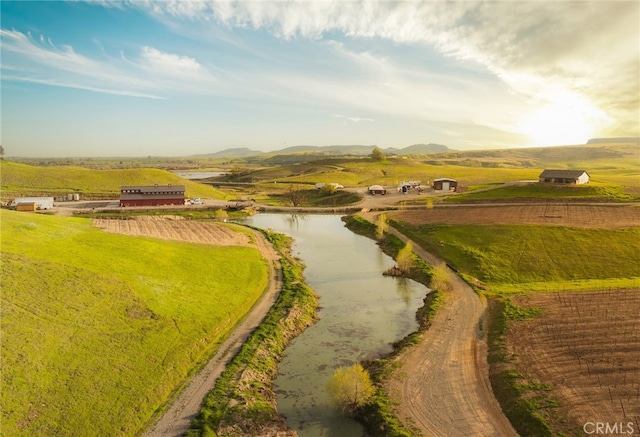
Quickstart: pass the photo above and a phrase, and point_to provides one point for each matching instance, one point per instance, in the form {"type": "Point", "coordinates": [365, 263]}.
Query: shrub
{"type": "Point", "coordinates": [351, 387]}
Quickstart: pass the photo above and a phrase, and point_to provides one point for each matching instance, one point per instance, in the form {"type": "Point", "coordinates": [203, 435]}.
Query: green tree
{"type": "Point", "coordinates": [350, 387]}
{"type": "Point", "coordinates": [377, 154]}
{"type": "Point", "coordinates": [382, 225]}
{"type": "Point", "coordinates": [405, 258]}
{"type": "Point", "coordinates": [329, 189]}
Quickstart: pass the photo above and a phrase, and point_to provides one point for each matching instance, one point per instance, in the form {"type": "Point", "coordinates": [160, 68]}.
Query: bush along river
{"type": "Point", "coordinates": [361, 314]}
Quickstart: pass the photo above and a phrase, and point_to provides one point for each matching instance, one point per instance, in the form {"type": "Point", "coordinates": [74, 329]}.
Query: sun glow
{"type": "Point", "coordinates": [556, 124]}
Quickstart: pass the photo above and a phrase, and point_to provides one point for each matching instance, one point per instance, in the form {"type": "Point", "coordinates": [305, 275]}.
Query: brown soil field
{"type": "Point", "coordinates": [175, 228]}
{"type": "Point", "coordinates": [555, 214]}
{"type": "Point", "coordinates": [586, 346]}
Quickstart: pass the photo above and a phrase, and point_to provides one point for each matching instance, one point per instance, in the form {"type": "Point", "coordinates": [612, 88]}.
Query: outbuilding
{"type": "Point", "coordinates": [26, 206]}
{"type": "Point", "coordinates": [445, 184]}
{"type": "Point", "coordinates": [156, 195]}
{"type": "Point", "coordinates": [377, 189]}
{"type": "Point", "coordinates": [577, 177]}
{"type": "Point", "coordinates": [39, 202]}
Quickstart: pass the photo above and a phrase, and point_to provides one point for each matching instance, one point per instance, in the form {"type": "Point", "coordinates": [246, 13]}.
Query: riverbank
{"type": "Point", "coordinates": [378, 416]}
{"type": "Point", "coordinates": [440, 385]}
{"type": "Point", "coordinates": [242, 401]}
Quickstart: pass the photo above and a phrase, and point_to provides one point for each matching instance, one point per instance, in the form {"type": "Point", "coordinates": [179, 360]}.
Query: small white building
{"type": "Point", "coordinates": [41, 202]}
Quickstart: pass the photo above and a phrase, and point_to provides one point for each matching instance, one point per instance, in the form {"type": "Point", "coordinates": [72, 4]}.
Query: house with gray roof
{"type": "Point", "coordinates": [564, 177]}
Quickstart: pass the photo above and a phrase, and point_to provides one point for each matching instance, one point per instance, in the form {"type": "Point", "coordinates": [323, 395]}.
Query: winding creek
{"type": "Point", "coordinates": [361, 314]}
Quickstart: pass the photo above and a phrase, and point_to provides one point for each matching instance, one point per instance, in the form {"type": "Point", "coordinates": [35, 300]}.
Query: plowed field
{"type": "Point", "coordinates": [175, 228]}
{"type": "Point", "coordinates": [556, 214]}
{"type": "Point", "coordinates": [586, 346]}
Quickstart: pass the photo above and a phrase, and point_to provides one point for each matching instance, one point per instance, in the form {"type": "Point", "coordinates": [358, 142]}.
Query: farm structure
{"type": "Point", "coordinates": [404, 187]}
{"type": "Point", "coordinates": [156, 195]}
{"type": "Point", "coordinates": [564, 177]}
{"type": "Point", "coordinates": [39, 202]}
{"type": "Point", "coordinates": [445, 184]}
{"type": "Point", "coordinates": [377, 189]}
{"type": "Point", "coordinates": [26, 206]}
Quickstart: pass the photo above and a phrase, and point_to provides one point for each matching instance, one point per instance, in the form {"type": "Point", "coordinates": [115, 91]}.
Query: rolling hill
{"type": "Point", "coordinates": [26, 180]}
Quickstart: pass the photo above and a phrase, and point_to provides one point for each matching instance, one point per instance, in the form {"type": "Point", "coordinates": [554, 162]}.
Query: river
{"type": "Point", "coordinates": [361, 314]}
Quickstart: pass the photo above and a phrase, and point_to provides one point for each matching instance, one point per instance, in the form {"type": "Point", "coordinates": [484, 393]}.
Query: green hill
{"type": "Point", "coordinates": [613, 166]}
{"type": "Point", "coordinates": [99, 329]}
{"type": "Point", "coordinates": [27, 180]}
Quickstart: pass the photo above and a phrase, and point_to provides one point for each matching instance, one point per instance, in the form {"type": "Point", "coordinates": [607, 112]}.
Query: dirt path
{"type": "Point", "coordinates": [442, 387]}
{"type": "Point", "coordinates": [175, 421]}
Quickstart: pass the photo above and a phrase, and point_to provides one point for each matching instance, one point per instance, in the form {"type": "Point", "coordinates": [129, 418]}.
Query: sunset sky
{"type": "Point", "coordinates": [175, 78]}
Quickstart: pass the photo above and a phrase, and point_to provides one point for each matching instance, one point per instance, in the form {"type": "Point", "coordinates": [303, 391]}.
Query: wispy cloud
{"type": "Point", "coordinates": [54, 82]}
{"type": "Point", "coordinates": [543, 51]}
{"type": "Point", "coordinates": [149, 74]}
{"type": "Point", "coordinates": [353, 119]}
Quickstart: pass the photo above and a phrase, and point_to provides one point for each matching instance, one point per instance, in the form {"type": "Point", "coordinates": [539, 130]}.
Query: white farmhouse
{"type": "Point", "coordinates": [564, 177]}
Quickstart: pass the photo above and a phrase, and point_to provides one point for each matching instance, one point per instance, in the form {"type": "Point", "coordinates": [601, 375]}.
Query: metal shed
{"type": "Point", "coordinates": [445, 184]}
{"type": "Point", "coordinates": [26, 206]}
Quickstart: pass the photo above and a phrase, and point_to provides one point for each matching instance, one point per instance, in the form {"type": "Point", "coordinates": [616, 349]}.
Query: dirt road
{"type": "Point", "coordinates": [175, 421]}
{"type": "Point", "coordinates": [442, 386]}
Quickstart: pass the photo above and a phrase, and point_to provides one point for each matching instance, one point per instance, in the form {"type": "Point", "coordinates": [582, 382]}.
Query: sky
{"type": "Point", "coordinates": [177, 78]}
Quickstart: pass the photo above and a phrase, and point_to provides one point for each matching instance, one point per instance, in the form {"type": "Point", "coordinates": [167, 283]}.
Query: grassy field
{"type": "Point", "coordinates": [609, 164]}
{"type": "Point", "coordinates": [26, 180]}
{"type": "Point", "coordinates": [519, 258]}
{"type": "Point", "coordinates": [99, 329]}
{"type": "Point", "coordinates": [592, 192]}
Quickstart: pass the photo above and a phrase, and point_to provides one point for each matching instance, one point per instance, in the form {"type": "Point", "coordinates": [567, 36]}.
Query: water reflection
{"type": "Point", "coordinates": [362, 313]}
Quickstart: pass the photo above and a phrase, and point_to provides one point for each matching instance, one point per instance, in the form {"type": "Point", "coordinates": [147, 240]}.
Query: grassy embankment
{"type": "Point", "coordinates": [26, 180]}
{"type": "Point", "coordinates": [520, 258]}
{"type": "Point", "coordinates": [99, 329]}
{"type": "Point", "coordinates": [378, 416]}
{"type": "Point", "coordinates": [242, 401]}
{"type": "Point", "coordinates": [593, 192]}
{"type": "Point", "coordinates": [501, 260]}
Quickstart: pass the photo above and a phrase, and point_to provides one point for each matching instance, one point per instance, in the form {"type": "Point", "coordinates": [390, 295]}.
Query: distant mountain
{"type": "Point", "coordinates": [362, 150]}
{"type": "Point", "coordinates": [422, 149]}
{"type": "Point", "coordinates": [614, 140]}
{"type": "Point", "coordinates": [366, 150]}
{"type": "Point", "coordinates": [329, 150]}
{"type": "Point", "coordinates": [239, 152]}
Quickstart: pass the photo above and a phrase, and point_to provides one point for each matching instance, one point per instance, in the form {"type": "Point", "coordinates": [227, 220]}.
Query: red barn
{"type": "Point", "coordinates": [157, 195]}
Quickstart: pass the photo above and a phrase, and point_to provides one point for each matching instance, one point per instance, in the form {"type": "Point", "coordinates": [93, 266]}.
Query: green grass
{"type": "Point", "coordinates": [608, 164]}
{"type": "Point", "coordinates": [248, 404]}
{"type": "Point", "coordinates": [588, 192]}
{"type": "Point", "coordinates": [517, 258]}
{"type": "Point", "coordinates": [26, 180]}
{"type": "Point", "coordinates": [99, 329]}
